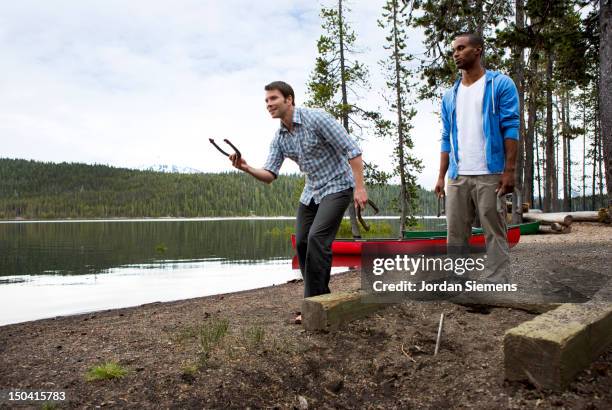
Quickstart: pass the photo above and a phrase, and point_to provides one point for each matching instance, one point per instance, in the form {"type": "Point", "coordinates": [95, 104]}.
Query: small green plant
{"type": "Point", "coordinates": [161, 248]}
{"type": "Point", "coordinates": [278, 232]}
{"type": "Point", "coordinates": [190, 368]}
{"type": "Point", "coordinates": [187, 333]}
{"type": "Point", "coordinates": [273, 232]}
{"type": "Point", "coordinates": [106, 371]}
{"type": "Point", "coordinates": [254, 336]}
{"type": "Point", "coordinates": [210, 335]}
{"type": "Point", "coordinates": [377, 229]}
{"type": "Point", "coordinates": [49, 405]}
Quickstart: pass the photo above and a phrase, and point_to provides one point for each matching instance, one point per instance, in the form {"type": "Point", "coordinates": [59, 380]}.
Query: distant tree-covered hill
{"type": "Point", "coordinates": [41, 190]}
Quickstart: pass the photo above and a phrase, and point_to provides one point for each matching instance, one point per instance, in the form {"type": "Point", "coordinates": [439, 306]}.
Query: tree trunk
{"type": "Point", "coordinates": [556, 205]}
{"type": "Point", "coordinates": [531, 124]}
{"type": "Point", "coordinates": [400, 121]}
{"type": "Point", "coordinates": [584, 156]}
{"type": "Point", "coordinates": [519, 81]}
{"type": "Point", "coordinates": [345, 114]}
{"type": "Point", "coordinates": [594, 184]}
{"type": "Point", "coordinates": [600, 157]}
{"type": "Point", "coordinates": [550, 197]}
{"type": "Point", "coordinates": [565, 158]}
{"type": "Point", "coordinates": [537, 147]}
{"type": "Point", "coordinates": [605, 88]}
{"type": "Point", "coordinates": [569, 153]}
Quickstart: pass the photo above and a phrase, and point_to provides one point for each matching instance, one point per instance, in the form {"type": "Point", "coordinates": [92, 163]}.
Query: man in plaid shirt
{"type": "Point", "coordinates": [333, 166]}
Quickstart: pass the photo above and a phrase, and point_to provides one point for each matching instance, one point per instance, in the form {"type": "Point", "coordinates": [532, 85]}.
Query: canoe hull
{"type": "Point", "coordinates": [435, 246]}
{"type": "Point", "coordinates": [528, 228]}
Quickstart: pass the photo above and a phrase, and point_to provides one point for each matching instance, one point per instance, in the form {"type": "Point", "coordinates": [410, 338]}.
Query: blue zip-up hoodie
{"type": "Point", "coordinates": [500, 120]}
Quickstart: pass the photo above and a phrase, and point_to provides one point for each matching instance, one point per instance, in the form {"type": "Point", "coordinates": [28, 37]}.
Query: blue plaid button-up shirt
{"type": "Point", "coordinates": [321, 147]}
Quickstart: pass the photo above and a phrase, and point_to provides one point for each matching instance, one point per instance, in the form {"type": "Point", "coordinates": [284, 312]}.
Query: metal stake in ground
{"type": "Point", "coordinates": [439, 334]}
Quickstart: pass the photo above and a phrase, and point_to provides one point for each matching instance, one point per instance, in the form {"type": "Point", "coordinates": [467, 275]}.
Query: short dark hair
{"type": "Point", "coordinates": [284, 88]}
{"type": "Point", "coordinates": [474, 39]}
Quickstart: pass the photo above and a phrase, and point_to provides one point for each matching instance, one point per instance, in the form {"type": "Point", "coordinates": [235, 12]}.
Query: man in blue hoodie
{"type": "Point", "coordinates": [480, 119]}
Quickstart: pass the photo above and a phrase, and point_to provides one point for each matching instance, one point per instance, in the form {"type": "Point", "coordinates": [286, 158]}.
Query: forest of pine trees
{"type": "Point", "coordinates": [557, 52]}
{"type": "Point", "coordinates": [39, 190]}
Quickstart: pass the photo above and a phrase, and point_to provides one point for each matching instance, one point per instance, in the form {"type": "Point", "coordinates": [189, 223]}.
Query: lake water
{"type": "Point", "coordinates": [57, 268]}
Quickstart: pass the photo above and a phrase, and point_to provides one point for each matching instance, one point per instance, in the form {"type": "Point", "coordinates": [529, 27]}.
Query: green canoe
{"type": "Point", "coordinates": [528, 228]}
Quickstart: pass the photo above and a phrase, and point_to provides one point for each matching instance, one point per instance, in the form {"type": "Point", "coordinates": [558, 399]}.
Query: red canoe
{"type": "Point", "coordinates": [413, 246]}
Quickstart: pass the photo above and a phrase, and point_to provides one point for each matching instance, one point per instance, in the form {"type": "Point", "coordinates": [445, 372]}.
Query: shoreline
{"type": "Point", "coordinates": [179, 219]}
{"type": "Point", "coordinates": [157, 302]}
{"type": "Point", "coordinates": [385, 360]}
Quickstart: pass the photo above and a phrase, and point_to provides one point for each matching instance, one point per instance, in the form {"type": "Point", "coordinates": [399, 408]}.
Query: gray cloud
{"type": "Point", "coordinates": [133, 83]}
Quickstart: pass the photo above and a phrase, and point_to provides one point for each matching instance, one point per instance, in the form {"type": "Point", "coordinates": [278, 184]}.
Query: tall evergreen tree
{"type": "Point", "coordinates": [605, 88]}
{"type": "Point", "coordinates": [395, 19]}
{"type": "Point", "coordinates": [37, 190]}
{"type": "Point", "coordinates": [518, 75]}
{"type": "Point", "coordinates": [441, 21]}
{"type": "Point", "coordinates": [335, 82]}
{"type": "Point", "coordinates": [338, 77]}
{"type": "Point", "coordinates": [553, 31]}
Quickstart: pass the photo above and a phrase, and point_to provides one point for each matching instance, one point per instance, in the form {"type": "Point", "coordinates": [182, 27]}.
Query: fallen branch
{"type": "Point", "coordinates": [406, 354]}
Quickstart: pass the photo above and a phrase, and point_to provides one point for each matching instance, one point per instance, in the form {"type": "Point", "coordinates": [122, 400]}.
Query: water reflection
{"type": "Point", "coordinates": [86, 247]}
{"type": "Point", "coordinates": [53, 268]}
{"type": "Point", "coordinates": [44, 296]}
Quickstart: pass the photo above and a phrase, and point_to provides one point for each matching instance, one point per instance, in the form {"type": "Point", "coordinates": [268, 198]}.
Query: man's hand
{"type": "Point", "coordinates": [360, 197]}
{"type": "Point", "coordinates": [239, 162]}
{"type": "Point", "coordinates": [439, 189]}
{"type": "Point", "coordinates": [506, 183]}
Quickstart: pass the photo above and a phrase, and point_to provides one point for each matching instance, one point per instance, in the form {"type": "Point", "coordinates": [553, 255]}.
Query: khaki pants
{"type": "Point", "coordinates": [469, 196]}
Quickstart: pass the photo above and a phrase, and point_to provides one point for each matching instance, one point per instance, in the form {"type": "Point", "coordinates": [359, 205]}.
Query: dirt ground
{"type": "Point", "coordinates": [241, 350]}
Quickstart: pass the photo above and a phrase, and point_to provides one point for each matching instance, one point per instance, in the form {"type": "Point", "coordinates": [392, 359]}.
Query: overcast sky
{"type": "Point", "coordinates": [133, 83]}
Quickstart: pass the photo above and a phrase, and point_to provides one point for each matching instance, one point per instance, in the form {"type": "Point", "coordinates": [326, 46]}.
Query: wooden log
{"type": "Point", "coordinates": [555, 228]}
{"type": "Point", "coordinates": [559, 228]}
{"type": "Point", "coordinates": [549, 218]}
{"type": "Point", "coordinates": [604, 215]}
{"type": "Point", "coordinates": [552, 348]}
{"type": "Point", "coordinates": [328, 312]}
{"type": "Point", "coordinates": [588, 216]}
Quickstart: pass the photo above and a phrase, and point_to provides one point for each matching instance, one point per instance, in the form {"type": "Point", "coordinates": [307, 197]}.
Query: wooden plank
{"type": "Point", "coordinates": [552, 348]}
{"type": "Point", "coordinates": [329, 312]}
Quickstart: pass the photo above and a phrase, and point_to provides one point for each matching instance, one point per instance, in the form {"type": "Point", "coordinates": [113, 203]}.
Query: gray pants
{"type": "Point", "coordinates": [317, 226]}
{"type": "Point", "coordinates": [469, 196]}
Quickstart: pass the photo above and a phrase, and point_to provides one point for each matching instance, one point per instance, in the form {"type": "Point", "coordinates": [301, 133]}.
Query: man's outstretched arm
{"type": "Point", "coordinates": [261, 174]}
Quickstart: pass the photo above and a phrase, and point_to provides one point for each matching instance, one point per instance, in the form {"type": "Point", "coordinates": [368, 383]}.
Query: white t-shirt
{"type": "Point", "coordinates": [470, 135]}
